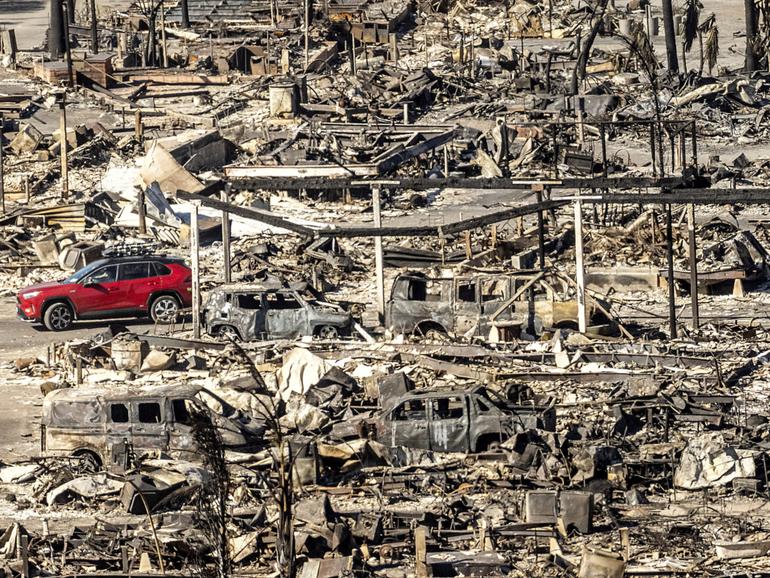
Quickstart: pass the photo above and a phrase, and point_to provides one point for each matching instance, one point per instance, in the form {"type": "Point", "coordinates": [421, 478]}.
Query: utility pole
{"type": "Point", "coordinates": [226, 235]}
{"type": "Point", "coordinates": [196, 272]}
{"type": "Point", "coordinates": [63, 146]}
{"type": "Point", "coordinates": [94, 31]}
{"type": "Point", "coordinates": [378, 257]}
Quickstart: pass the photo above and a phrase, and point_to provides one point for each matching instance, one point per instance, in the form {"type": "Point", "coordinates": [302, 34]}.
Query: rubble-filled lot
{"type": "Point", "coordinates": [384, 289]}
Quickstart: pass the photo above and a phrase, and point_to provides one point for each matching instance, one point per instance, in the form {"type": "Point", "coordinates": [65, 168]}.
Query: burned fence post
{"type": "Point", "coordinates": [420, 552]}
{"type": "Point", "coordinates": [65, 186]}
{"type": "Point", "coordinates": [226, 257]}
{"type": "Point", "coordinates": [138, 126]}
{"type": "Point", "coordinates": [164, 46]}
{"type": "Point", "coordinates": [579, 270]}
{"type": "Point", "coordinates": [693, 266]}
{"type": "Point", "coordinates": [378, 256]}
{"type": "Point", "coordinates": [196, 272]}
{"type": "Point", "coordinates": [141, 209]}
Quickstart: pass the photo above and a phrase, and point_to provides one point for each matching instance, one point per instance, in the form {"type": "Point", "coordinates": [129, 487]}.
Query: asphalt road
{"type": "Point", "coordinates": [20, 396]}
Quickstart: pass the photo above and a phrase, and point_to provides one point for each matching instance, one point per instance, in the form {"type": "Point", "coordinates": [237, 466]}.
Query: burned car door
{"type": "Point", "coordinates": [286, 315]}
{"type": "Point", "coordinates": [493, 293]}
{"type": "Point", "coordinates": [466, 305]}
{"type": "Point", "coordinates": [248, 315]}
{"type": "Point", "coordinates": [416, 300]}
{"type": "Point", "coordinates": [180, 426]}
{"type": "Point", "coordinates": [149, 430]}
{"type": "Point", "coordinates": [408, 425]}
{"type": "Point", "coordinates": [119, 434]}
{"type": "Point", "coordinates": [449, 421]}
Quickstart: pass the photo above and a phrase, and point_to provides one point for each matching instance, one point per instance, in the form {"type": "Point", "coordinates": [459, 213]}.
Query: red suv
{"type": "Point", "coordinates": [116, 287]}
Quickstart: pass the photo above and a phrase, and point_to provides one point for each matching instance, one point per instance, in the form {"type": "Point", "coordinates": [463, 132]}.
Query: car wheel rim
{"type": "Point", "coordinates": [165, 309]}
{"type": "Point", "coordinates": [60, 318]}
{"type": "Point", "coordinates": [228, 334]}
{"type": "Point", "coordinates": [328, 333]}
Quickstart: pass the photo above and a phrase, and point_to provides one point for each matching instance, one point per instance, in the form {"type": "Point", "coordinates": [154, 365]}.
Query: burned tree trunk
{"type": "Point", "coordinates": [151, 47]}
{"type": "Point", "coordinates": [751, 33]}
{"type": "Point", "coordinates": [579, 72]}
{"type": "Point", "coordinates": [670, 32]}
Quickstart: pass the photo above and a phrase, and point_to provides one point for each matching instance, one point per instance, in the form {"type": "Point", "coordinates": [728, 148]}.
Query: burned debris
{"type": "Point", "coordinates": [384, 289]}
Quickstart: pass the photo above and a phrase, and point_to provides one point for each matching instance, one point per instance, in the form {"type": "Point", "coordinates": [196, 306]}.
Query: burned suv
{"type": "Point", "coordinates": [466, 420]}
{"type": "Point", "coordinates": [254, 312]}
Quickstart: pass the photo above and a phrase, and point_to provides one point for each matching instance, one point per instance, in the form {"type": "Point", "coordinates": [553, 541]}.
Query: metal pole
{"type": "Point", "coordinates": [670, 262]}
{"type": "Point", "coordinates": [163, 33]}
{"type": "Point", "coordinates": [579, 267]}
{"type": "Point", "coordinates": [55, 30]}
{"type": "Point", "coordinates": [67, 48]}
{"type": "Point", "coordinates": [378, 257]}
{"type": "Point", "coordinates": [94, 31]}
{"type": "Point", "coordinates": [186, 14]}
{"type": "Point", "coordinates": [196, 273]}
{"type": "Point", "coordinates": [307, 34]}
{"type": "Point", "coordinates": [2, 175]}
{"type": "Point", "coordinates": [65, 181]}
{"type": "Point", "coordinates": [226, 236]}
{"type": "Point", "coordinates": [693, 267]}
{"type": "Point", "coordinates": [540, 230]}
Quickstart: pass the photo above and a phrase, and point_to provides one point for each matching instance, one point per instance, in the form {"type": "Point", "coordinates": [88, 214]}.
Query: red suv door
{"type": "Point", "coordinates": [100, 291]}
{"type": "Point", "coordinates": [138, 282]}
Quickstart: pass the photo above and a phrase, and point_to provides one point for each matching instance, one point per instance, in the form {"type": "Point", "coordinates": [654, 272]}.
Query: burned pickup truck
{"type": "Point", "coordinates": [477, 304]}
{"type": "Point", "coordinates": [272, 311]}
{"type": "Point", "coordinates": [470, 420]}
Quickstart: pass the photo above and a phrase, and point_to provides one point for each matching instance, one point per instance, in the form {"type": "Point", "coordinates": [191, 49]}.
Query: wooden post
{"type": "Point", "coordinates": [378, 256]}
{"type": "Point", "coordinates": [446, 162]}
{"type": "Point", "coordinates": [670, 263]}
{"type": "Point", "coordinates": [420, 553]}
{"type": "Point", "coordinates": [2, 174]}
{"type": "Point", "coordinates": [138, 126]}
{"type": "Point", "coordinates": [65, 181]}
{"type": "Point", "coordinates": [468, 248]}
{"type": "Point", "coordinates": [693, 267]}
{"type": "Point", "coordinates": [24, 554]}
{"type": "Point", "coordinates": [579, 270]}
{"type": "Point", "coordinates": [393, 44]}
{"type": "Point", "coordinates": [352, 51]}
{"type": "Point", "coordinates": [142, 212]}
{"type": "Point", "coordinates": [196, 272]}
{"type": "Point", "coordinates": [79, 371]}
{"type": "Point", "coordinates": [227, 261]}
{"type": "Point", "coordinates": [163, 33]}
{"type": "Point", "coordinates": [27, 189]}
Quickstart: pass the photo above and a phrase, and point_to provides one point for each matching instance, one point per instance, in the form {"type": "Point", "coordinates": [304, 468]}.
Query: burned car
{"type": "Point", "coordinates": [103, 427]}
{"type": "Point", "coordinates": [254, 312]}
{"type": "Point", "coordinates": [477, 304]}
{"type": "Point", "coordinates": [470, 420]}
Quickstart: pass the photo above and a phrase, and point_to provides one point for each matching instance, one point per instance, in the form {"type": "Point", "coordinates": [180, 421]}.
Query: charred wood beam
{"type": "Point", "coordinates": [684, 196]}
{"type": "Point", "coordinates": [366, 231]}
{"type": "Point", "coordinates": [320, 183]}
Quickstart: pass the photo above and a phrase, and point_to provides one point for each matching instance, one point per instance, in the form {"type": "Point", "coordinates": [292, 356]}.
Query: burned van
{"type": "Point", "coordinates": [253, 312]}
{"type": "Point", "coordinates": [104, 426]}
{"type": "Point", "coordinates": [474, 304]}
